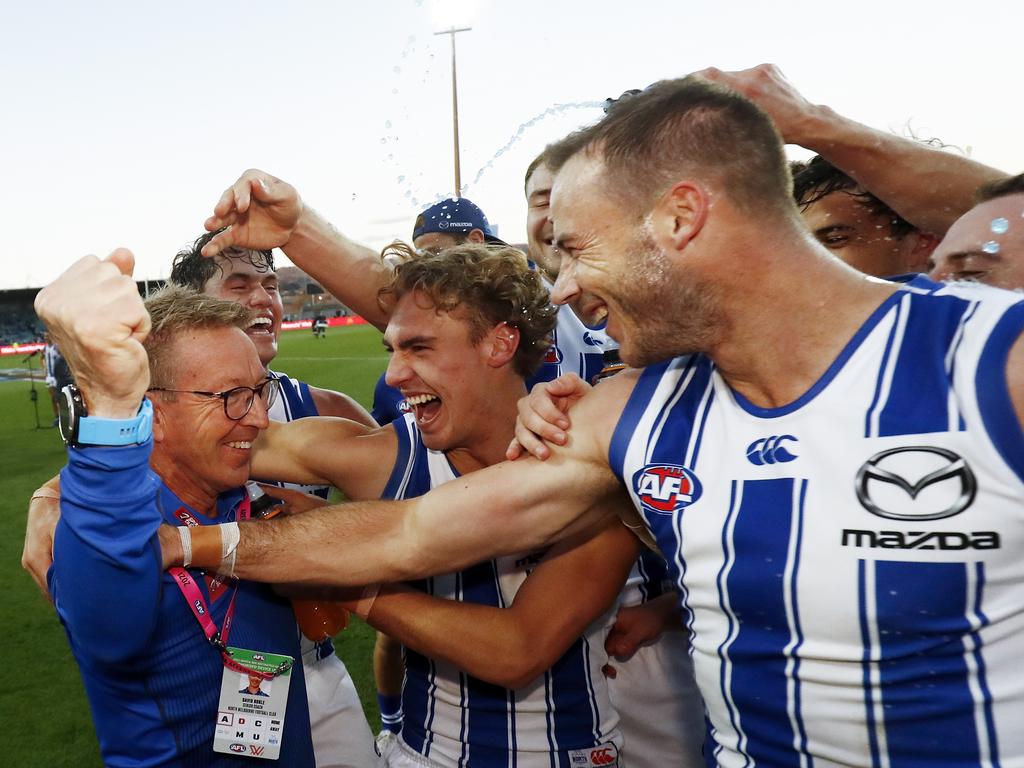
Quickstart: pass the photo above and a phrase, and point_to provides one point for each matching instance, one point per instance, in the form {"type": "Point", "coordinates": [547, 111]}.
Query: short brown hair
{"type": "Point", "coordinates": [174, 309]}
{"type": "Point", "coordinates": [493, 283]}
{"type": "Point", "coordinates": [680, 127]}
{"type": "Point", "coordinates": [1011, 185]}
{"type": "Point", "coordinates": [537, 162]}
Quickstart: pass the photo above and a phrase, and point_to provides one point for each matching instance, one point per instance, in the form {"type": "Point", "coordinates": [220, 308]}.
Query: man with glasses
{"type": "Point", "coordinates": [161, 655]}
{"type": "Point", "coordinates": [341, 733]}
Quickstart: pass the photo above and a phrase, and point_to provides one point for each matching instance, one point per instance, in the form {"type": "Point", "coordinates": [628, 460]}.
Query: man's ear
{"type": "Point", "coordinates": [921, 250]}
{"type": "Point", "coordinates": [158, 421]}
{"type": "Point", "coordinates": [679, 215]}
{"type": "Point", "coordinates": [501, 344]}
{"type": "Point", "coordinates": [476, 236]}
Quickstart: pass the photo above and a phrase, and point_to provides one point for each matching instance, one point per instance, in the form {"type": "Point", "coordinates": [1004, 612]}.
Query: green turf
{"type": "Point", "coordinates": [41, 698]}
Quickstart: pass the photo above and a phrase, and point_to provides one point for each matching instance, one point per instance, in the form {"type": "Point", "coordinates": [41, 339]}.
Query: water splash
{"type": "Point", "coordinates": [555, 109]}
{"type": "Point", "coordinates": [1000, 226]}
{"type": "Point", "coordinates": [990, 247]}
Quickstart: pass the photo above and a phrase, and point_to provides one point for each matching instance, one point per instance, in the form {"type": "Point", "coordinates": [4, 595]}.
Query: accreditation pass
{"type": "Point", "coordinates": [250, 715]}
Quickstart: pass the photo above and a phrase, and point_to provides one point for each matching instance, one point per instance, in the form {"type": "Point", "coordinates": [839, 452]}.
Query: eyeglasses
{"type": "Point", "coordinates": [237, 401]}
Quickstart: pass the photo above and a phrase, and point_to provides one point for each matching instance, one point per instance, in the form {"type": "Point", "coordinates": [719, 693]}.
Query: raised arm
{"type": "Point", "coordinates": [261, 211]}
{"type": "Point", "coordinates": [107, 570]}
{"type": "Point", "coordinates": [578, 580]}
{"type": "Point", "coordinates": [929, 187]}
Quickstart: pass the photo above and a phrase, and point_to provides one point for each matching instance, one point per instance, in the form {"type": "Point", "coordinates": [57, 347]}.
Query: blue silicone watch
{"type": "Point", "coordinates": [78, 428]}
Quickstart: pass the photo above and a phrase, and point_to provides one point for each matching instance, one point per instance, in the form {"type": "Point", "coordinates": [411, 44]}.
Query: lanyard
{"type": "Point", "coordinates": [197, 603]}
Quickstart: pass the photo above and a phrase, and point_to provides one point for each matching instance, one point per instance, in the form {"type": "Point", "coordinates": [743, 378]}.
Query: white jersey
{"type": "Point", "coordinates": [576, 348]}
{"type": "Point", "coordinates": [849, 564]}
{"type": "Point", "coordinates": [341, 733]}
{"type": "Point", "coordinates": [563, 718]}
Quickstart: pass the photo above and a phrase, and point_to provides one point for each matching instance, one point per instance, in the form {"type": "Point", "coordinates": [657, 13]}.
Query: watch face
{"type": "Point", "coordinates": [67, 416]}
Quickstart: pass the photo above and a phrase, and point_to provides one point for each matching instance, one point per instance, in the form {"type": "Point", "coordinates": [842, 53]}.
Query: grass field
{"type": "Point", "coordinates": [41, 696]}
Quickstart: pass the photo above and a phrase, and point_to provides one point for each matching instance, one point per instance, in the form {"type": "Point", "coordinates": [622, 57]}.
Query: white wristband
{"type": "Point", "coordinates": [365, 605]}
{"type": "Point", "coordinates": [185, 534]}
{"type": "Point", "coordinates": [229, 538]}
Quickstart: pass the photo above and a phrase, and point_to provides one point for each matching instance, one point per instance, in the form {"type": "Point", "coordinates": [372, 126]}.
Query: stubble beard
{"type": "Point", "coordinates": [665, 314]}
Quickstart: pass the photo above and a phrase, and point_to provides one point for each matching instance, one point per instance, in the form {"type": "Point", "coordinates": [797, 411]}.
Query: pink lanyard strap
{"type": "Point", "coordinates": [197, 603]}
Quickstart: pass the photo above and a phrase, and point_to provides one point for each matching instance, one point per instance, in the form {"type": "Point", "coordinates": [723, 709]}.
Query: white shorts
{"type": "Point", "coordinates": [341, 734]}
{"type": "Point", "coordinates": [660, 710]}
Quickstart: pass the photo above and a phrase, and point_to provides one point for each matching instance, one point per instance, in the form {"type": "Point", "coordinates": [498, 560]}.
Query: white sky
{"type": "Point", "coordinates": [121, 122]}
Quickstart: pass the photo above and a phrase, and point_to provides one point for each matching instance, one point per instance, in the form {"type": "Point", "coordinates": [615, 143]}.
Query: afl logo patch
{"type": "Point", "coordinates": [553, 356]}
{"type": "Point", "coordinates": [666, 488]}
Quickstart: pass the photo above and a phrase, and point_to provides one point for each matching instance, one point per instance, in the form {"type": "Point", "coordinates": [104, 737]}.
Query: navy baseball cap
{"type": "Point", "coordinates": [455, 216]}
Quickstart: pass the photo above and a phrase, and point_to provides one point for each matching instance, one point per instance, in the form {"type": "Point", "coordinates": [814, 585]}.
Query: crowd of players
{"type": "Point", "coordinates": [520, 625]}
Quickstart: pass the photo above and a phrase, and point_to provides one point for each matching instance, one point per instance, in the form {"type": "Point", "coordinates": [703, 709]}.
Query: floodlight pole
{"type": "Point", "coordinates": [455, 106]}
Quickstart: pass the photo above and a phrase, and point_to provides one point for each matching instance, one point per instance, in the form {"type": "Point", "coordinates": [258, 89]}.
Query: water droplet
{"type": "Point", "coordinates": [391, 157]}
{"type": "Point", "coordinates": [1000, 225]}
{"type": "Point", "coordinates": [408, 193]}
{"type": "Point", "coordinates": [990, 247]}
{"type": "Point", "coordinates": [383, 140]}
{"type": "Point", "coordinates": [394, 90]}
{"type": "Point", "coordinates": [401, 179]}
{"type": "Point", "coordinates": [397, 70]}
{"type": "Point", "coordinates": [353, 195]}
{"type": "Point", "coordinates": [415, 202]}
{"type": "Point", "coordinates": [387, 124]}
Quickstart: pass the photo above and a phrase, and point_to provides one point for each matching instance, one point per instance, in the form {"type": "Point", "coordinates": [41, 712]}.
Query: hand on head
{"type": "Point", "coordinates": [768, 88]}
{"type": "Point", "coordinates": [259, 211]}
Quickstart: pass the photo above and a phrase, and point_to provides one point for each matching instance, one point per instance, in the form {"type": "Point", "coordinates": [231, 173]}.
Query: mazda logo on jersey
{"type": "Point", "coordinates": [666, 488]}
{"type": "Point", "coordinates": [916, 483]}
{"type": "Point", "coordinates": [770, 450]}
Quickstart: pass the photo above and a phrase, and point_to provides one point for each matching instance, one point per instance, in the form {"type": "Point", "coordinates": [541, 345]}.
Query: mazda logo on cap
{"type": "Point", "coordinates": [916, 483]}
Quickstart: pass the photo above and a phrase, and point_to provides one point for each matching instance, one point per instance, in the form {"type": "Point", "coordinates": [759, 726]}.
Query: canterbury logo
{"type": "Point", "coordinates": [770, 450]}
{"type": "Point", "coordinates": [890, 469]}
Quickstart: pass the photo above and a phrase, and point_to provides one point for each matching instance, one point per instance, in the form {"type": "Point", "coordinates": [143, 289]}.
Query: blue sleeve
{"type": "Point", "coordinates": [386, 402]}
{"type": "Point", "coordinates": [107, 569]}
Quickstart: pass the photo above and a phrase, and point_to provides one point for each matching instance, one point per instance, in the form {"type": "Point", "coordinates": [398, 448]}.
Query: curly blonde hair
{"type": "Point", "coordinates": [493, 283]}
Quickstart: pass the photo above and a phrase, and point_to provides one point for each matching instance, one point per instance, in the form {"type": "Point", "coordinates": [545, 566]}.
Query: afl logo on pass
{"type": "Point", "coordinates": [666, 488]}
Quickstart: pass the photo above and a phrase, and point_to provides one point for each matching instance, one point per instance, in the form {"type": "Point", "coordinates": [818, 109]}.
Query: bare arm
{"type": "Point", "coordinates": [338, 404]}
{"type": "Point", "coordinates": [575, 583]}
{"type": "Point", "coordinates": [43, 514]}
{"type": "Point", "coordinates": [261, 211]}
{"type": "Point", "coordinates": [1015, 377]}
{"type": "Point", "coordinates": [507, 508]}
{"type": "Point", "coordinates": [355, 458]}
{"type": "Point", "coordinates": [638, 625]}
{"type": "Point", "coordinates": [931, 188]}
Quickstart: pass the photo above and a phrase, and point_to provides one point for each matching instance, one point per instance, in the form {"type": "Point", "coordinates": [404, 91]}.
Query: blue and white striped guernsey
{"type": "Point", "coordinates": [849, 564]}
{"type": "Point", "coordinates": [576, 348]}
{"type": "Point", "coordinates": [454, 719]}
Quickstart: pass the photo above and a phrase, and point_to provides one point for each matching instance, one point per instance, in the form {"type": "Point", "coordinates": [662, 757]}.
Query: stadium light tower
{"type": "Point", "coordinates": [453, 17]}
